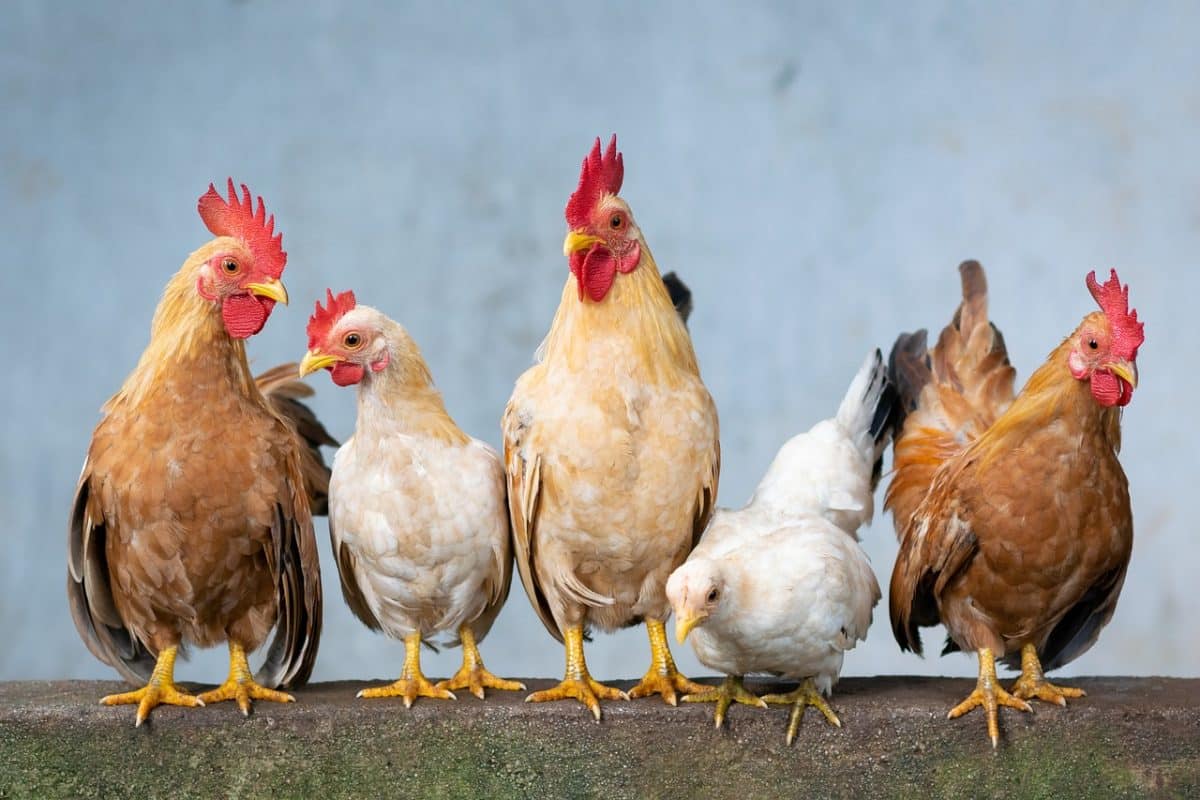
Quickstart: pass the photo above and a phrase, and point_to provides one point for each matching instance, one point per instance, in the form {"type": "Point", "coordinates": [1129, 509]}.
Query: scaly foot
{"type": "Point", "coordinates": [662, 677]}
{"type": "Point", "coordinates": [476, 679]}
{"type": "Point", "coordinates": [161, 690]}
{"type": "Point", "coordinates": [585, 689]}
{"type": "Point", "coordinates": [1033, 683]}
{"type": "Point", "coordinates": [730, 691]}
{"type": "Point", "coordinates": [805, 694]}
{"type": "Point", "coordinates": [412, 683]}
{"type": "Point", "coordinates": [990, 695]}
{"type": "Point", "coordinates": [240, 685]}
{"type": "Point", "coordinates": [473, 675]}
{"type": "Point", "coordinates": [578, 684]}
{"type": "Point", "coordinates": [409, 689]}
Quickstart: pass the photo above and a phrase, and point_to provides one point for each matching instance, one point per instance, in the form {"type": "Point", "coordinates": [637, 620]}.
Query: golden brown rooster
{"type": "Point", "coordinates": [192, 522]}
{"type": "Point", "coordinates": [1013, 513]}
{"type": "Point", "coordinates": [610, 445]}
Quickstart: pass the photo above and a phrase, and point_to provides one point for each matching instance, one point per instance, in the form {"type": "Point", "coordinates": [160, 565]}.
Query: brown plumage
{"type": "Point", "coordinates": [192, 521]}
{"type": "Point", "coordinates": [1013, 513]}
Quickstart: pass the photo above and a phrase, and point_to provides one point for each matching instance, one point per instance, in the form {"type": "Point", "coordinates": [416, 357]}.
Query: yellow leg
{"type": "Point", "coordinates": [989, 695]}
{"type": "Point", "coordinates": [577, 683]}
{"type": "Point", "coordinates": [160, 690]}
{"type": "Point", "coordinates": [662, 677]}
{"type": "Point", "coordinates": [240, 685]}
{"type": "Point", "coordinates": [730, 691]}
{"type": "Point", "coordinates": [473, 675]}
{"type": "Point", "coordinates": [804, 695]}
{"type": "Point", "coordinates": [412, 683]}
{"type": "Point", "coordinates": [1033, 683]}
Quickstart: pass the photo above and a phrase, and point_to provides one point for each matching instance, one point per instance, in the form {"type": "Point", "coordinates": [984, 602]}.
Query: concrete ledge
{"type": "Point", "coordinates": [1127, 738]}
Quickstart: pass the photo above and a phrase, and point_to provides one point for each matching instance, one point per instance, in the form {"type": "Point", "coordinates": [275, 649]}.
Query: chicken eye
{"type": "Point", "coordinates": [712, 595]}
{"type": "Point", "coordinates": [616, 222]}
{"type": "Point", "coordinates": [230, 266]}
{"type": "Point", "coordinates": [352, 340]}
{"type": "Point", "coordinates": [1092, 344]}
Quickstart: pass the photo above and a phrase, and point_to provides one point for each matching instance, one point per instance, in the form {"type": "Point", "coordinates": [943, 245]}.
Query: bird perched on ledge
{"type": "Point", "coordinates": [192, 521]}
{"type": "Point", "coordinates": [610, 445]}
{"type": "Point", "coordinates": [418, 516]}
{"type": "Point", "coordinates": [1013, 513]}
{"type": "Point", "coordinates": [782, 586]}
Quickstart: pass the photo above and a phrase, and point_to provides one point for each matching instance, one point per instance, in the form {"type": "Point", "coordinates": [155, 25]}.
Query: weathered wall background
{"type": "Point", "coordinates": [816, 174]}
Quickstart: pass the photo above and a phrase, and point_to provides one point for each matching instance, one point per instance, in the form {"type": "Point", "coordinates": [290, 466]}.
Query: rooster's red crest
{"type": "Point", "coordinates": [239, 219]}
{"type": "Point", "coordinates": [600, 175]}
{"type": "Point", "coordinates": [1113, 299]}
{"type": "Point", "coordinates": [323, 319]}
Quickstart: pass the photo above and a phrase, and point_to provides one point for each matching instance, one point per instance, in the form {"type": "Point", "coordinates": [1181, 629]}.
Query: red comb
{"type": "Point", "coordinates": [240, 220]}
{"type": "Point", "coordinates": [1113, 299]}
{"type": "Point", "coordinates": [599, 175]}
{"type": "Point", "coordinates": [323, 319]}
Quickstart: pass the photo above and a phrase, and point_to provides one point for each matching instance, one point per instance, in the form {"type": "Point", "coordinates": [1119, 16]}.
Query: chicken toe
{"type": "Point", "coordinates": [804, 695]}
{"type": "Point", "coordinates": [989, 694]}
{"type": "Point", "coordinates": [160, 690]}
{"type": "Point", "coordinates": [1033, 683]}
{"type": "Point", "coordinates": [730, 691]}
{"type": "Point", "coordinates": [663, 678]}
{"type": "Point", "coordinates": [240, 685]}
{"type": "Point", "coordinates": [473, 675]}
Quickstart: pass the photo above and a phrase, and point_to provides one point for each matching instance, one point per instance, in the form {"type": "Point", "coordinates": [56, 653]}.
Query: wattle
{"type": "Point", "coordinates": [1109, 390]}
{"type": "Point", "coordinates": [596, 269]}
{"type": "Point", "coordinates": [245, 314]}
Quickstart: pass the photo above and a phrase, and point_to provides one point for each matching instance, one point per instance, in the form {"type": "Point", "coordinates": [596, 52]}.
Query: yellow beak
{"type": "Point", "coordinates": [271, 288]}
{"type": "Point", "coordinates": [314, 360]}
{"type": "Point", "coordinates": [577, 241]}
{"type": "Point", "coordinates": [1126, 370]}
{"type": "Point", "coordinates": [684, 625]}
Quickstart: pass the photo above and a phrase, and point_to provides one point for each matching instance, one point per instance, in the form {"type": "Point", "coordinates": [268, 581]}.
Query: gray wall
{"type": "Point", "coordinates": [816, 175]}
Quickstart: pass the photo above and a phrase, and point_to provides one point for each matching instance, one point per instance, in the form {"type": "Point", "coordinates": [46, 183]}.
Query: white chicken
{"type": "Point", "coordinates": [417, 509]}
{"type": "Point", "coordinates": [782, 586]}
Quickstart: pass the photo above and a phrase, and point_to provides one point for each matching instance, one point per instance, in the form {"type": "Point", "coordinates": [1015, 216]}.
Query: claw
{"type": "Point", "coordinates": [473, 676]}
{"type": "Point", "coordinates": [989, 694]}
{"type": "Point", "coordinates": [730, 691]}
{"type": "Point", "coordinates": [804, 695]}
{"type": "Point", "coordinates": [1033, 683]}
{"type": "Point", "coordinates": [160, 690]}
{"type": "Point", "coordinates": [578, 684]}
{"type": "Point", "coordinates": [663, 678]}
{"type": "Point", "coordinates": [240, 686]}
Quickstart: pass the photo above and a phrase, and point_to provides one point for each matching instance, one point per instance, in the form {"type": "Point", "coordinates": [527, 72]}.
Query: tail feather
{"type": "Point", "coordinates": [283, 389]}
{"type": "Point", "coordinates": [681, 295]}
{"type": "Point", "coordinates": [948, 396]}
{"type": "Point", "coordinates": [868, 409]}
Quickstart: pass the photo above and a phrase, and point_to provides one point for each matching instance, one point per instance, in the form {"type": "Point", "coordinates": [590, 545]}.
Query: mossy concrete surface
{"type": "Point", "coordinates": [1128, 738]}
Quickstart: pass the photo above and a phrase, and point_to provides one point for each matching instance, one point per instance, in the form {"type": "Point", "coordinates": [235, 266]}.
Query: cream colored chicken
{"type": "Point", "coordinates": [417, 510]}
{"type": "Point", "coordinates": [782, 586]}
{"type": "Point", "coordinates": [610, 445]}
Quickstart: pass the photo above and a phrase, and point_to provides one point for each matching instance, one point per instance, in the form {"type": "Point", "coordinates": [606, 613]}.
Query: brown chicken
{"type": "Point", "coordinates": [610, 445]}
{"type": "Point", "coordinates": [192, 522]}
{"type": "Point", "coordinates": [1013, 513]}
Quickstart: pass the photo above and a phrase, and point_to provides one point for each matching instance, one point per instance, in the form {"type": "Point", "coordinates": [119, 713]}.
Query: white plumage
{"type": "Point", "coordinates": [782, 586]}
{"type": "Point", "coordinates": [418, 514]}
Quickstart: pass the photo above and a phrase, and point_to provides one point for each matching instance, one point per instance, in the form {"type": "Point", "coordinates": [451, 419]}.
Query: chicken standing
{"type": "Point", "coordinates": [418, 516]}
{"type": "Point", "coordinates": [192, 521]}
{"type": "Point", "coordinates": [1013, 514]}
{"type": "Point", "coordinates": [610, 445]}
{"type": "Point", "coordinates": [781, 586]}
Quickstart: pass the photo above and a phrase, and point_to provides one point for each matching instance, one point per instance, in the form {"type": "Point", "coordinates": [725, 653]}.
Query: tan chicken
{"type": "Point", "coordinates": [418, 516]}
{"type": "Point", "coordinates": [192, 522]}
{"type": "Point", "coordinates": [1013, 512]}
{"type": "Point", "coordinates": [611, 445]}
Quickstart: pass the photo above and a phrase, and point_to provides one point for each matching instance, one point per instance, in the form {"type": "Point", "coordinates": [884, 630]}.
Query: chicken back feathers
{"type": "Point", "coordinates": [1013, 514]}
{"type": "Point", "coordinates": [192, 520]}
